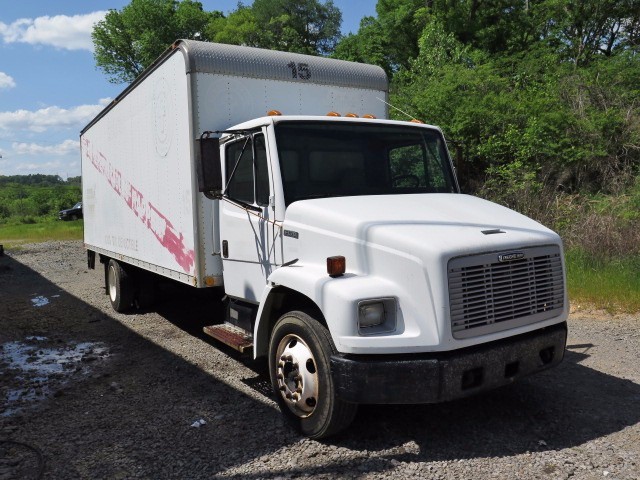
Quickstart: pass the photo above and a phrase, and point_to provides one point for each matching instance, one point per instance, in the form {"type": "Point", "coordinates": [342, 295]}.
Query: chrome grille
{"type": "Point", "coordinates": [486, 295]}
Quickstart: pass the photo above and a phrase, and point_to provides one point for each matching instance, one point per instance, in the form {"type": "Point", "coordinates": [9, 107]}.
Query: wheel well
{"type": "Point", "coordinates": [280, 301]}
{"type": "Point", "coordinates": [137, 274]}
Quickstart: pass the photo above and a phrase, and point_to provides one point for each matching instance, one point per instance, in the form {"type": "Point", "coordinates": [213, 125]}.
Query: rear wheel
{"type": "Point", "coordinates": [299, 365]}
{"type": "Point", "coordinates": [120, 286]}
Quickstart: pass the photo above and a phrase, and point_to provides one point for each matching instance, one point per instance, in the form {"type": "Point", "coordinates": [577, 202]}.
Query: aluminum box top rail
{"type": "Point", "coordinates": [217, 58]}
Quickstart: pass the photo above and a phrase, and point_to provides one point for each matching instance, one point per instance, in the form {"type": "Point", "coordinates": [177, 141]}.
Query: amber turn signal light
{"type": "Point", "coordinates": [336, 266]}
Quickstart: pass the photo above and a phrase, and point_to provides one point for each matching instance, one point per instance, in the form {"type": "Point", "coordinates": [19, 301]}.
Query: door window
{"type": "Point", "coordinates": [250, 182]}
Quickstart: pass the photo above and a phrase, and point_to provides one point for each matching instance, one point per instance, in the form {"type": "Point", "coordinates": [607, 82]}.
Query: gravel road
{"type": "Point", "coordinates": [89, 393]}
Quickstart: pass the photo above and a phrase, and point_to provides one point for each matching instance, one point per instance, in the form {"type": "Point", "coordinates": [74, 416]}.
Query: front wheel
{"type": "Point", "coordinates": [299, 365]}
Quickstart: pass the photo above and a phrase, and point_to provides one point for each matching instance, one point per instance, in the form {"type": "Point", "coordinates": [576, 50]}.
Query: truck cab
{"type": "Point", "coordinates": [355, 265]}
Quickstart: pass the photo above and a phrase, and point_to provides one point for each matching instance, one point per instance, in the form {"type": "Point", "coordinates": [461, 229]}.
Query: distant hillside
{"type": "Point", "coordinates": [37, 180]}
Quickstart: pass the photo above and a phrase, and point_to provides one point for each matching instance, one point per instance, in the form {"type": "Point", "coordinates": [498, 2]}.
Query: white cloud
{"type": "Point", "coordinates": [6, 81]}
{"type": "Point", "coordinates": [60, 31]}
{"type": "Point", "coordinates": [66, 166]}
{"type": "Point", "coordinates": [44, 167]}
{"type": "Point", "coordinates": [64, 148]}
{"type": "Point", "coordinates": [49, 117]}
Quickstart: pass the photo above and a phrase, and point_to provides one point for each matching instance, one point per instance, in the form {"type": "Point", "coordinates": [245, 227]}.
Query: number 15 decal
{"type": "Point", "coordinates": [300, 70]}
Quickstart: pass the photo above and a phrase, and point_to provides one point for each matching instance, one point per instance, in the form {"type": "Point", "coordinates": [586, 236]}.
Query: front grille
{"type": "Point", "coordinates": [486, 295]}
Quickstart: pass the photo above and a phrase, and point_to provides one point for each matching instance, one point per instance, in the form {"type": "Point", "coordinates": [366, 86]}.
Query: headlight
{"type": "Point", "coordinates": [371, 314]}
{"type": "Point", "coordinates": [376, 315]}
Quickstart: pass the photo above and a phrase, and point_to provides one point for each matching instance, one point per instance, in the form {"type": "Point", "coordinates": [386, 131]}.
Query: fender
{"type": "Point", "coordinates": [306, 280]}
{"type": "Point", "coordinates": [337, 299]}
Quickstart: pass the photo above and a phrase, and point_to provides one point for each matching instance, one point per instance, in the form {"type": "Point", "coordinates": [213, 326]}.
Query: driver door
{"type": "Point", "coordinates": [248, 236]}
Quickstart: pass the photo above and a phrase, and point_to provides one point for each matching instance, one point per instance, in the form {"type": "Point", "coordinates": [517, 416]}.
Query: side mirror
{"type": "Point", "coordinates": [208, 166]}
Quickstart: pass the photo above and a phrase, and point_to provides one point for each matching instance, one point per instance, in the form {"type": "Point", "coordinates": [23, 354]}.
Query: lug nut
{"type": "Point", "coordinates": [280, 376]}
{"type": "Point", "coordinates": [283, 388]}
{"type": "Point", "coordinates": [299, 390]}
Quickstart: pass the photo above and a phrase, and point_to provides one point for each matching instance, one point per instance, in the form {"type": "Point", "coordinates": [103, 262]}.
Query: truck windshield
{"type": "Point", "coordinates": [330, 159]}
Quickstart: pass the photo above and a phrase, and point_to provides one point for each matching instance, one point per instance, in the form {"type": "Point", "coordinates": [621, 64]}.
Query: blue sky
{"type": "Point", "coordinates": [49, 86]}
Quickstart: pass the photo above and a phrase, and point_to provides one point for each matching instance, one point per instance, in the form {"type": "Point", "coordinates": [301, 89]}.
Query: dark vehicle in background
{"type": "Point", "coordinates": [73, 213]}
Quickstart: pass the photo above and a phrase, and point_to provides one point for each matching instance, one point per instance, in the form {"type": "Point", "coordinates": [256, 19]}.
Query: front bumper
{"type": "Point", "coordinates": [438, 377]}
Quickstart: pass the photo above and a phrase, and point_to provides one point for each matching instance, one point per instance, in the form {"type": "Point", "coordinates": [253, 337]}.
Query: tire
{"type": "Point", "coordinates": [299, 365]}
{"type": "Point", "coordinates": [120, 287]}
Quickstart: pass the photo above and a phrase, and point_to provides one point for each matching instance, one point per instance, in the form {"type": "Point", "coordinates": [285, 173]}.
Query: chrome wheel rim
{"type": "Point", "coordinates": [297, 375]}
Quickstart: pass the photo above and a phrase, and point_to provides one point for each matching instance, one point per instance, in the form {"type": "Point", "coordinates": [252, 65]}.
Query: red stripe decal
{"type": "Point", "coordinates": [149, 215]}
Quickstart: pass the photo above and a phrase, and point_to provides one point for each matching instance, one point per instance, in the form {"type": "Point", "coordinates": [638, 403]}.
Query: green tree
{"type": "Point", "coordinates": [74, 181]}
{"type": "Point", "coordinates": [582, 30]}
{"type": "Point", "coordinates": [389, 40]}
{"type": "Point", "coordinates": [402, 21]}
{"type": "Point", "coordinates": [302, 26]}
{"type": "Point", "coordinates": [239, 28]}
{"type": "Point", "coordinates": [369, 45]}
{"type": "Point", "coordinates": [129, 40]}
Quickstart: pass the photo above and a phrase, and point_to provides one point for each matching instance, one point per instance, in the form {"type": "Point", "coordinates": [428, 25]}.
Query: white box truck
{"type": "Point", "coordinates": [348, 256]}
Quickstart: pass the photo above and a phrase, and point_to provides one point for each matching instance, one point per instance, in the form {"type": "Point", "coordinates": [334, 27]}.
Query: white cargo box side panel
{"type": "Point", "coordinates": [138, 181]}
{"type": "Point", "coordinates": [226, 100]}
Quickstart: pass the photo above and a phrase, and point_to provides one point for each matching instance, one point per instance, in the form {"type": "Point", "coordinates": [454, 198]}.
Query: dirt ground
{"type": "Point", "coordinates": [89, 393]}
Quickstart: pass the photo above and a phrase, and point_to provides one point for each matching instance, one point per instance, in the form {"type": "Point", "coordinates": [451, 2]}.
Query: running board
{"type": "Point", "coordinates": [230, 335]}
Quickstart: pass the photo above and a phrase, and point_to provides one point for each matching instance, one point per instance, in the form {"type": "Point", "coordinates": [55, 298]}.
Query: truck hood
{"type": "Point", "coordinates": [398, 247]}
{"type": "Point", "coordinates": [452, 224]}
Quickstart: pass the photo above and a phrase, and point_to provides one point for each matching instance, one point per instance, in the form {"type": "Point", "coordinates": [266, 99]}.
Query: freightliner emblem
{"type": "Point", "coordinates": [508, 257]}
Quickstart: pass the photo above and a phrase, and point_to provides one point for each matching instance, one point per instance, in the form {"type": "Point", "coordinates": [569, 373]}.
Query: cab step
{"type": "Point", "coordinates": [231, 335]}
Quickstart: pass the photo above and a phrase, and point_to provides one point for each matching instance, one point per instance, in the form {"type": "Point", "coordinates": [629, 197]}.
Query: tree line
{"type": "Point", "coordinates": [532, 94]}
{"type": "Point", "coordinates": [37, 180]}
{"type": "Point", "coordinates": [32, 198]}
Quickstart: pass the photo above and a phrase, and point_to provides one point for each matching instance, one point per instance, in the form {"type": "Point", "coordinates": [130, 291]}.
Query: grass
{"type": "Point", "coordinates": [612, 285]}
{"type": "Point", "coordinates": [14, 235]}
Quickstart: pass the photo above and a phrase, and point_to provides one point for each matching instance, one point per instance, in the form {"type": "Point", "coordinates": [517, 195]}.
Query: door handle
{"type": "Point", "coordinates": [225, 249]}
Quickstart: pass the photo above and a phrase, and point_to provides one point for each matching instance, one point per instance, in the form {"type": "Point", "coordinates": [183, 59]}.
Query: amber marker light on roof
{"type": "Point", "coordinates": [351, 115]}
{"type": "Point", "coordinates": [415, 120]}
{"type": "Point", "coordinates": [333, 114]}
{"type": "Point", "coordinates": [274, 113]}
{"type": "Point", "coordinates": [368, 115]}
{"type": "Point", "coordinates": [336, 266]}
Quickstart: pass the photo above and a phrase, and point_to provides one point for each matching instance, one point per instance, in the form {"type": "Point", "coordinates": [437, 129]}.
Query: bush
{"type": "Point", "coordinates": [22, 203]}
{"type": "Point", "coordinates": [604, 227]}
